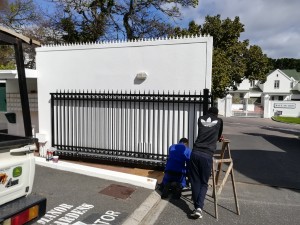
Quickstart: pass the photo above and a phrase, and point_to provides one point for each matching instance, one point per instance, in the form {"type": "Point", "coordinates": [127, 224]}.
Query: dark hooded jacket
{"type": "Point", "coordinates": [210, 129]}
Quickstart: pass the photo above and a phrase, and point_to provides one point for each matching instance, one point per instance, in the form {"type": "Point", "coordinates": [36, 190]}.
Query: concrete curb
{"type": "Point", "coordinates": [142, 211]}
{"type": "Point", "coordinates": [155, 212]}
{"type": "Point", "coordinates": [136, 180]}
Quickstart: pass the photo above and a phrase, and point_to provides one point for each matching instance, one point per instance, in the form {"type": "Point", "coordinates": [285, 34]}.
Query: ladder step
{"type": "Point", "coordinates": [217, 188]}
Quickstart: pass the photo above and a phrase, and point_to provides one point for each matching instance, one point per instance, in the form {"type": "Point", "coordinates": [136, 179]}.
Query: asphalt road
{"type": "Point", "coordinates": [267, 173]}
{"type": "Point", "coordinates": [73, 198]}
{"type": "Point", "coordinates": [264, 151]}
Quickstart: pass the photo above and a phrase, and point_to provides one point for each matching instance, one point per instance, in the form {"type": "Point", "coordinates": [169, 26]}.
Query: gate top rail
{"type": "Point", "coordinates": [132, 97]}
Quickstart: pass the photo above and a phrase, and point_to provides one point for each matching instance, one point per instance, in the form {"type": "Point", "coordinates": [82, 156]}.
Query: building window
{"type": "Point", "coordinates": [252, 83]}
{"type": "Point", "coordinates": [276, 84]}
{"type": "Point", "coordinates": [280, 98]}
{"type": "Point", "coordinates": [292, 85]}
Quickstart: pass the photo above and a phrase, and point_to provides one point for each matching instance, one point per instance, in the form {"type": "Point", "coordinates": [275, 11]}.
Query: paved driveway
{"type": "Point", "coordinates": [266, 164]}
{"type": "Point", "coordinates": [74, 198]}
{"type": "Point", "coordinates": [264, 151]}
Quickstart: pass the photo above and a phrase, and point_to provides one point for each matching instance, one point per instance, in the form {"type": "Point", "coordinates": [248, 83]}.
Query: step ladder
{"type": "Point", "coordinates": [219, 159]}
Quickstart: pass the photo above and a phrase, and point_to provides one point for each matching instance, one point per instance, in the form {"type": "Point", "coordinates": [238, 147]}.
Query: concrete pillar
{"type": "Point", "coordinates": [221, 106]}
{"type": "Point", "coordinates": [228, 105]}
{"type": "Point", "coordinates": [266, 99]}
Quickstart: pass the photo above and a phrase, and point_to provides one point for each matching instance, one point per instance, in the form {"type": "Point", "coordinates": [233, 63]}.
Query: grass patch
{"type": "Point", "coordinates": [287, 119]}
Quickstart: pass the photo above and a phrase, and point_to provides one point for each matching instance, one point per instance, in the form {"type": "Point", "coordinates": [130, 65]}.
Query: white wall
{"type": "Point", "coordinates": [18, 127]}
{"type": "Point", "coordinates": [287, 108]}
{"type": "Point", "coordinates": [183, 64]}
{"type": "Point", "coordinates": [222, 106]}
{"type": "Point", "coordinates": [246, 85]}
{"type": "Point", "coordinates": [284, 86]}
{"type": "Point", "coordinates": [14, 102]}
{"type": "Point", "coordinates": [297, 87]}
{"type": "Point", "coordinates": [12, 85]}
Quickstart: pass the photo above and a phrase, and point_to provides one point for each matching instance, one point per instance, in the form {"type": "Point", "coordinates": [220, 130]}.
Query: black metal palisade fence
{"type": "Point", "coordinates": [129, 127]}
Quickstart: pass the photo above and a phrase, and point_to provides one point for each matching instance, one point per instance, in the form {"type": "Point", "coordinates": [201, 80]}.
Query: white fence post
{"type": "Point", "coordinates": [266, 106]}
{"type": "Point", "coordinates": [228, 105]}
{"type": "Point", "coordinates": [221, 106]}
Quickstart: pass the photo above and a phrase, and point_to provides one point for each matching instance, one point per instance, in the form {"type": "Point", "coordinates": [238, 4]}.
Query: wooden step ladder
{"type": "Point", "coordinates": [218, 160]}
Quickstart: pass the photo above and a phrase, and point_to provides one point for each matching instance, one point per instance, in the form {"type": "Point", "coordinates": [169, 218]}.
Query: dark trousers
{"type": "Point", "coordinates": [173, 176]}
{"type": "Point", "coordinates": [173, 181]}
{"type": "Point", "coordinates": [200, 170]}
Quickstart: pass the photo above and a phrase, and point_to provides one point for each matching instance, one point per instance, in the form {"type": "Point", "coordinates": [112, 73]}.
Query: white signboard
{"type": "Point", "coordinates": [285, 105]}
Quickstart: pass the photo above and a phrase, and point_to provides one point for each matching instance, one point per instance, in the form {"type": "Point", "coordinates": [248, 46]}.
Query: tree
{"type": "Point", "coordinates": [85, 21]}
{"type": "Point", "coordinates": [3, 4]}
{"type": "Point", "coordinates": [233, 60]}
{"type": "Point", "coordinates": [6, 57]}
{"type": "Point", "coordinates": [257, 64]}
{"type": "Point", "coordinates": [20, 16]}
{"type": "Point", "coordinates": [285, 63]}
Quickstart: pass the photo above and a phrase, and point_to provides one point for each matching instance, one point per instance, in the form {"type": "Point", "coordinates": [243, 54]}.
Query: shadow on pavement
{"type": "Point", "coordinates": [185, 203]}
{"type": "Point", "coordinates": [278, 167]}
{"type": "Point", "coordinates": [283, 130]}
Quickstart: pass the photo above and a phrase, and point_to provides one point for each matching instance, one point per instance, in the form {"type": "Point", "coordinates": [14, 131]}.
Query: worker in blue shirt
{"type": "Point", "coordinates": [176, 169]}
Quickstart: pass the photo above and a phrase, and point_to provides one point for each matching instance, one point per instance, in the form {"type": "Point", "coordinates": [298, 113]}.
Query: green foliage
{"type": "Point", "coordinates": [71, 35]}
{"type": "Point", "coordinates": [233, 60]}
{"type": "Point", "coordinates": [257, 64]}
{"type": "Point", "coordinates": [220, 79]}
{"type": "Point", "coordinates": [6, 55]}
{"type": "Point", "coordinates": [8, 66]}
{"type": "Point", "coordinates": [284, 119]}
{"type": "Point", "coordinates": [285, 63]}
{"type": "Point", "coordinates": [7, 61]}
{"type": "Point", "coordinates": [193, 29]}
{"type": "Point", "coordinates": [225, 32]}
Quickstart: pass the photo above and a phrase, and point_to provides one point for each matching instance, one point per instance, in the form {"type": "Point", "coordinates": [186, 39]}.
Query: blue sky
{"type": "Point", "coordinates": [271, 24]}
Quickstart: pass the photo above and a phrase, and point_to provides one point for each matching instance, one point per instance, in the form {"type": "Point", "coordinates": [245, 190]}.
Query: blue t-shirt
{"type": "Point", "coordinates": [179, 156]}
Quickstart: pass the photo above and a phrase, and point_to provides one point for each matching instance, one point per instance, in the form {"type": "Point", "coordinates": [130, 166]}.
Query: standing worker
{"type": "Point", "coordinates": [210, 129]}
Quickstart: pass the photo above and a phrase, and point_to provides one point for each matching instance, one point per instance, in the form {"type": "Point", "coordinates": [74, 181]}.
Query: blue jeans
{"type": "Point", "coordinates": [200, 170]}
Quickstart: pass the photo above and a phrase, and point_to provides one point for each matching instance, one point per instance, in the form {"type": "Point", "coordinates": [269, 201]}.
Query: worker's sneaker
{"type": "Point", "coordinates": [197, 213]}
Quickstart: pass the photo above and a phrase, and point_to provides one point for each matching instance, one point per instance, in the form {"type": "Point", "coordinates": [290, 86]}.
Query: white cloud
{"type": "Point", "coordinates": [271, 24]}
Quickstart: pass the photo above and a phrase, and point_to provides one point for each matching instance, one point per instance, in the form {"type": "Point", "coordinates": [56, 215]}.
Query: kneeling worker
{"type": "Point", "coordinates": [176, 169]}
